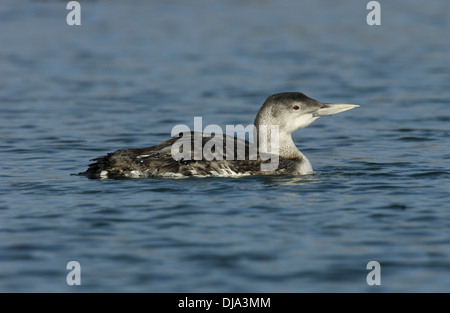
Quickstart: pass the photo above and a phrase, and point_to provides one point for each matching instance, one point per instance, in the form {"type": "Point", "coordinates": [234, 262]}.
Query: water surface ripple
{"type": "Point", "coordinates": [127, 76]}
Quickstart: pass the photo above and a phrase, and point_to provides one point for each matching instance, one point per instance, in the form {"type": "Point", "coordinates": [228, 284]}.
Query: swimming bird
{"type": "Point", "coordinates": [280, 116]}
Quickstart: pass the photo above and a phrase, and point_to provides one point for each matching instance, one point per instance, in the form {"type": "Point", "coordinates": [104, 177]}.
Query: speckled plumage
{"type": "Point", "coordinates": [289, 111]}
{"type": "Point", "coordinates": [157, 161]}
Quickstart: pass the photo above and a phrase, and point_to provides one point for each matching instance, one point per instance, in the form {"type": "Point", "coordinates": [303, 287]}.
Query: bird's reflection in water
{"type": "Point", "coordinates": [291, 180]}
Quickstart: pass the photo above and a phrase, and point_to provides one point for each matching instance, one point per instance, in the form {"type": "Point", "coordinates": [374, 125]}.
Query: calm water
{"type": "Point", "coordinates": [132, 71]}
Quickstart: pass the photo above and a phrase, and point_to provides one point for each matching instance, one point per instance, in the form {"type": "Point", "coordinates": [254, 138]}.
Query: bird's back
{"type": "Point", "coordinates": [219, 156]}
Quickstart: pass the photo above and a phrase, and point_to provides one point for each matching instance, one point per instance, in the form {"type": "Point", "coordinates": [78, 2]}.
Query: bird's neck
{"type": "Point", "coordinates": [271, 140]}
{"type": "Point", "coordinates": [275, 141]}
{"type": "Point", "coordinates": [287, 147]}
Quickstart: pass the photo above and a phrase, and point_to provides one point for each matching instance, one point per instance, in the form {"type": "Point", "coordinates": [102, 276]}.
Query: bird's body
{"type": "Point", "coordinates": [157, 161]}
{"type": "Point", "coordinates": [273, 153]}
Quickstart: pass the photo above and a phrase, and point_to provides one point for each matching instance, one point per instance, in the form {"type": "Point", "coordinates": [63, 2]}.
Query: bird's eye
{"type": "Point", "coordinates": [296, 107]}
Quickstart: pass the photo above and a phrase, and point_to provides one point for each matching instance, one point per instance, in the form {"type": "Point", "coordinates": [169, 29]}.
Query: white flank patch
{"type": "Point", "coordinates": [194, 172]}
{"type": "Point", "coordinates": [104, 174]}
{"type": "Point", "coordinates": [135, 174]}
{"type": "Point", "coordinates": [227, 172]}
{"type": "Point", "coordinates": [172, 175]}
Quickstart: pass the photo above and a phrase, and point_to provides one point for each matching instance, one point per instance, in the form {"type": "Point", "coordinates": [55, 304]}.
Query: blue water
{"type": "Point", "coordinates": [133, 70]}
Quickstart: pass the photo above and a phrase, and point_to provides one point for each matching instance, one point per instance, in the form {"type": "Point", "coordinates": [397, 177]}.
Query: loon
{"type": "Point", "coordinates": [288, 111]}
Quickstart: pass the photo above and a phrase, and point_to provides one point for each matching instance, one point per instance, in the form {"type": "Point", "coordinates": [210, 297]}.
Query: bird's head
{"type": "Point", "coordinates": [294, 110]}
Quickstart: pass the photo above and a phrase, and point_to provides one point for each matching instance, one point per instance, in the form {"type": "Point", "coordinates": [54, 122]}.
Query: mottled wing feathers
{"type": "Point", "coordinates": [243, 159]}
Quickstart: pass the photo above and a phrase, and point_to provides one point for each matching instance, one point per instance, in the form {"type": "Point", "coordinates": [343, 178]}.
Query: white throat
{"type": "Point", "coordinates": [301, 121]}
